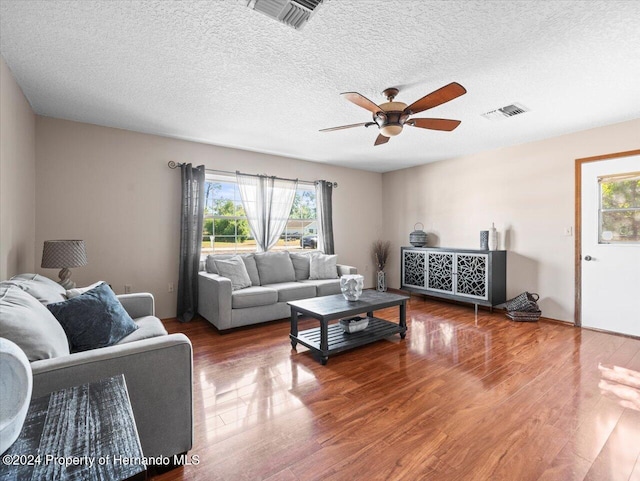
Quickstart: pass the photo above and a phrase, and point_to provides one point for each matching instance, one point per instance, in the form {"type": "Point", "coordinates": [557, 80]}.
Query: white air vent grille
{"type": "Point", "coordinates": [505, 112]}
{"type": "Point", "coordinates": [295, 13]}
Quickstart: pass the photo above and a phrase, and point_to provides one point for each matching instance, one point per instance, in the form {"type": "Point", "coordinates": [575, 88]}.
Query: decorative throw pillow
{"type": "Point", "coordinates": [275, 267]}
{"type": "Point", "coordinates": [300, 265]}
{"type": "Point", "coordinates": [249, 263]}
{"type": "Point", "coordinates": [29, 324]}
{"type": "Point", "coordinates": [234, 270]}
{"type": "Point", "coordinates": [93, 319]}
{"type": "Point", "coordinates": [322, 266]}
{"type": "Point", "coordinates": [40, 287]}
{"type": "Point", "coordinates": [71, 293]}
{"type": "Point", "coordinates": [252, 268]}
{"type": "Point", "coordinates": [210, 262]}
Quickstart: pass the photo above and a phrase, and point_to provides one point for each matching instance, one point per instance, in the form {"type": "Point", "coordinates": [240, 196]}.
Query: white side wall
{"type": "Point", "coordinates": [113, 189]}
{"type": "Point", "coordinates": [17, 178]}
{"type": "Point", "coordinates": [527, 190]}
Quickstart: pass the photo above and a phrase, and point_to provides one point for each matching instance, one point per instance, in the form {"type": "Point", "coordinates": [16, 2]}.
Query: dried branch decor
{"type": "Point", "coordinates": [380, 252]}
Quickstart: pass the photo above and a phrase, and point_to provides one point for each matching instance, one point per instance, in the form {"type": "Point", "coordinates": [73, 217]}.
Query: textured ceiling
{"type": "Point", "coordinates": [221, 73]}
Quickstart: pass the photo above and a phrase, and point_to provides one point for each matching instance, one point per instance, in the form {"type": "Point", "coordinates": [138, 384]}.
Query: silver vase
{"type": "Point", "coordinates": [382, 281]}
{"type": "Point", "coordinates": [484, 240]}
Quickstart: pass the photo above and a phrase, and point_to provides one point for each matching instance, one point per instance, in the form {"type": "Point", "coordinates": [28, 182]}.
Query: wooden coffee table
{"type": "Point", "coordinates": [331, 339]}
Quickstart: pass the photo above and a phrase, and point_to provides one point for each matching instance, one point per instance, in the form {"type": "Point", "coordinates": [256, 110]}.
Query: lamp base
{"type": "Point", "coordinates": [65, 279]}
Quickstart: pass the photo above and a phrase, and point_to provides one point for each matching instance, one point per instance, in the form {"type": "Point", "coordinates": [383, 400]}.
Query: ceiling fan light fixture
{"type": "Point", "coordinates": [391, 130]}
{"type": "Point", "coordinates": [393, 106]}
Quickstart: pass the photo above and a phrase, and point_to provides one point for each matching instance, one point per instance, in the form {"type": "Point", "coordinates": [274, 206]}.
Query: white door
{"type": "Point", "coordinates": [611, 245]}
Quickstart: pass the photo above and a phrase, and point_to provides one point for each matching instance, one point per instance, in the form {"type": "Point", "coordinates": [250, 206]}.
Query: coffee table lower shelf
{"type": "Point", "coordinates": [339, 341]}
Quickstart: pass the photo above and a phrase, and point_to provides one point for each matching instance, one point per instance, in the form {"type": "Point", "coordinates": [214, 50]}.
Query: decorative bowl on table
{"type": "Point", "coordinates": [354, 324]}
{"type": "Point", "coordinates": [351, 286]}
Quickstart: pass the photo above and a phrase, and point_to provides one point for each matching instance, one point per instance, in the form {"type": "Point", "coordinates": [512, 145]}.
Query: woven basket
{"type": "Point", "coordinates": [524, 316]}
{"type": "Point", "coordinates": [525, 302]}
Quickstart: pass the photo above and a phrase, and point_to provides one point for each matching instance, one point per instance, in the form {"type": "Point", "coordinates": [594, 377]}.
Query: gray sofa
{"type": "Point", "coordinates": [157, 366]}
{"type": "Point", "coordinates": [276, 278]}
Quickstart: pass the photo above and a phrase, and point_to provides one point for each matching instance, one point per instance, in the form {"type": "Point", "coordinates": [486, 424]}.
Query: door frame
{"type": "Point", "coordinates": [577, 319]}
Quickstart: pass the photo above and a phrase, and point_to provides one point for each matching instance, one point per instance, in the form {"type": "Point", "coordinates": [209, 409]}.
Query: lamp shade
{"type": "Point", "coordinates": [58, 254]}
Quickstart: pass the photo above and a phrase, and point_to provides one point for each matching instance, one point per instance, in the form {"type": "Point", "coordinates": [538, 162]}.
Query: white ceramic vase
{"type": "Point", "coordinates": [16, 384]}
{"type": "Point", "coordinates": [351, 286]}
{"type": "Point", "coordinates": [493, 238]}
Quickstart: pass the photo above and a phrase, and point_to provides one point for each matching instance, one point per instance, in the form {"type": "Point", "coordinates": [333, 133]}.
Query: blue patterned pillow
{"type": "Point", "coordinates": [93, 319]}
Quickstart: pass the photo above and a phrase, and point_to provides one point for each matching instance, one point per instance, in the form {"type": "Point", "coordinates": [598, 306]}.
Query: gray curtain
{"type": "Point", "coordinates": [267, 203]}
{"type": "Point", "coordinates": [324, 190]}
{"type": "Point", "coordinates": [190, 240]}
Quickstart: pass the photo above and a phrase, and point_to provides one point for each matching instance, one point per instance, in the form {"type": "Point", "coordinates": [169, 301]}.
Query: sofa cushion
{"type": "Point", "coordinates": [235, 270]}
{"type": "Point", "coordinates": [71, 293]}
{"type": "Point", "coordinates": [148, 327]}
{"type": "Point", "coordinates": [93, 319]}
{"type": "Point", "coordinates": [322, 266]}
{"type": "Point", "coordinates": [249, 263]}
{"type": "Point", "coordinates": [301, 265]}
{"type": "Point", "coordinates": [40, 287]}
{"type": "Point", "coordinates": [29, 324]}
{"type": "Point", "coordinates": [210, 263]}
{"type": "Point", "coordinates": [254, 296]}
{"type": "Point", "coordinates": [293, 291]}
{"type": "Point", "coordinates": [275, 267]}
{"type": "Point", "coordinates": [325, 287]}
{"type": "Point", "coordinates": [252, 268]}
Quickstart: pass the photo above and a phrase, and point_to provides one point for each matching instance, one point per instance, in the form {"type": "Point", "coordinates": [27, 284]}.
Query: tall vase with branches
{"type": "Point", "coordinates": [380, 252]}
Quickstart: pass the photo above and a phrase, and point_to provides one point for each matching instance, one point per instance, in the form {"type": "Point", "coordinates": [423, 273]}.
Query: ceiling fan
{"type": "Point", "coordinates": [391, 116]}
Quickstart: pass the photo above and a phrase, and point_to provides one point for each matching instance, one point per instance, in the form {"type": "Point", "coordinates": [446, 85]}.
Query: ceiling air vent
{"type": "Point", "coordinates": [504, 112]}
{"type": "Point", "coordinates": [295, 13]}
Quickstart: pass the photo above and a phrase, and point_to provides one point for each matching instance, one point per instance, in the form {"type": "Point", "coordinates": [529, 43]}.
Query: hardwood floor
{"type": "Point", "coordinates": [459, 399]}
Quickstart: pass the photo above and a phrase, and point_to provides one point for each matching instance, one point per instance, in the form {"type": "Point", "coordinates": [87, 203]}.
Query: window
{"type": "Point", "coordinates": [620, 209]}
{"type": "Point", "coordinates": [225, 227]}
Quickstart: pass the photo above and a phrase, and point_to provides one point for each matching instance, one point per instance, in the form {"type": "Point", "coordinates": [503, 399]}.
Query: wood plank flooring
{"type": "Point", "coordinates": [461, 398]}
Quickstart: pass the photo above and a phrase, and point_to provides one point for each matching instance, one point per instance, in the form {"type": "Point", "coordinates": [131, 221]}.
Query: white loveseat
{"type": "Point", "coordinates": [276, 278]}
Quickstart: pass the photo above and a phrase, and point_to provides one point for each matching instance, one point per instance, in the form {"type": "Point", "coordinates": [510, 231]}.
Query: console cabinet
{"type": "Point", "coordinates": [474, 276]}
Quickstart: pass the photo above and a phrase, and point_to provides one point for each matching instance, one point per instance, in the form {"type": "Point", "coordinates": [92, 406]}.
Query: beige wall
{"type": "Point", "coordinates": [527, 190]}
{"type": "Point", "coordinates": [17, 178]}
{"type": "Point", "coordinates": [113, 189]}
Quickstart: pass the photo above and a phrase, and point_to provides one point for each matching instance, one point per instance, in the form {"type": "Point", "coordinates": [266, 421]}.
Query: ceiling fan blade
{"type": "Point", "coordinates": [366, 124]}
{"type": "Point", "coordinates": [435, 124]}
{"type": "Point", "coordinates": [361, 101]}
{"type": "Point", "coordinates": [381, 140]}
{"type": "Point", "coordinates": [437, 97]}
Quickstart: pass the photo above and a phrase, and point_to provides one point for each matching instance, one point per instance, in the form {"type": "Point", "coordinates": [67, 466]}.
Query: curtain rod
{"type": "Point", "coordinates": [174, 165]}
{"type": "Point", "coordinates": [269, 176]}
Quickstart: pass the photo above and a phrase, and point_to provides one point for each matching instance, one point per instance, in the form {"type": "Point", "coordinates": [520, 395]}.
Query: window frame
{"type": "Point", "coordinates": [604, 210]}
{"type": "Point", "coordinates": [208, 247]}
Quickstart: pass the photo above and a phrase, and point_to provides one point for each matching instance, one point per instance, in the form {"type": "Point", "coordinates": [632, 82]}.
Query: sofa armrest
{"type": "Point", "coordinates": [345, 270]}
{"type": "Point", "coordinates": [159, 376]}
{"type": "Point", "coordinates": [214, 299]}
{"type": "Point", "coordinates": [139, 304]}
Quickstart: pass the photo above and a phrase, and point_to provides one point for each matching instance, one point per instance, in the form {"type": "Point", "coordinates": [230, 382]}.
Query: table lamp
{"type": "Point", "coordinates": [63, 254]}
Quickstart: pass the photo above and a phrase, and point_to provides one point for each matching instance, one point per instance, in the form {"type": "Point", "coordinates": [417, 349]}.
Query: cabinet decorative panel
{"type": "Point", "coordinates": [414, 268]}
{"type": "Point", "coordinates": [472, 275]}
{"type": "Point", "coordinates": [440, 271]}
{"type": "Point", "coordinates": [467, 275]}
